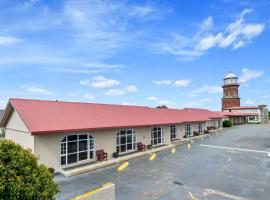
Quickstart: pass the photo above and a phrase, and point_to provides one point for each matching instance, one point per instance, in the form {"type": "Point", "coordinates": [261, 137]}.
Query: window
{"type": "Point", "coordinates": [173, 132]}
{"type": "Point", "coordinates": [126, 141]}
{"type": "Point", "coordinates": [200, 128]}
{"type": "Point", "coordinates": [188, 130]}
{"type": "Point", "coordinates": [157, 136]}
{"type": "Point", "coordinates": [219, 123]}
{"type": "Point", "coordinates": [76, 148]}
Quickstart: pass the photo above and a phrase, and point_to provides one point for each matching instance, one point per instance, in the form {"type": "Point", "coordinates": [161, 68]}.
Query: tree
{"type": "Point", "coordinates": [21, 177]}
{"type": "Point", "coordinates": [162, 106]}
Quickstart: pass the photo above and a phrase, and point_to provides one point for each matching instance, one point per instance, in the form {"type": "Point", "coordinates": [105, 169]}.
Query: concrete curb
{"type": "Point", "coordinates": [115, 161]}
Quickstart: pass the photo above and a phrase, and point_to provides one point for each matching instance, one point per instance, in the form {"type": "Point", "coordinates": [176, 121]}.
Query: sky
{"type": "Point", "coordinates": [134, 52]}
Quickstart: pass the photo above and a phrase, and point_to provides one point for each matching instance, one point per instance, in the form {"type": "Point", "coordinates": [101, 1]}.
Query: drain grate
{"type": "Point", "coordinates": [178, 183]}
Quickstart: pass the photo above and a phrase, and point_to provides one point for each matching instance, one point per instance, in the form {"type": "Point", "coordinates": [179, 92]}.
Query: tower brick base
{"type": "Point", "coordinates": [230, 102]}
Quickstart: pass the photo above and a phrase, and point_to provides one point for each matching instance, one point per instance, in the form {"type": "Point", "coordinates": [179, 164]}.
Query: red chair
{"type": "Point", "coordinates": [141, 146]}
{"type": "Point", "coordinates": [101, 155]}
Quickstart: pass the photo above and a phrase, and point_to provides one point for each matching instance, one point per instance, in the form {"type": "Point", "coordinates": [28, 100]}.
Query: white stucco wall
{"type": "Point", "coordinates": [181, 128]}
{"type": "Point", "coordinates": [17, 131]}
{"type": "Point", "coordinates": [47, 147]}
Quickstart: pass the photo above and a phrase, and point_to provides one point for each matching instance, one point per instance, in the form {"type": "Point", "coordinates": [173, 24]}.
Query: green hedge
{"type": "Point", "coordinates": [227, 123]}
{"type": "Point", "coordinates": [21, 177]}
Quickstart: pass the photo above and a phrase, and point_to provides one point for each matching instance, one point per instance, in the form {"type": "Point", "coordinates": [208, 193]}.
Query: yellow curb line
{"type": "Point", "coordinates": [123, 166]}
{"type": "Point", "coordinates": [154, 155]}
{"type": "Point", "coordinates": [92, 191]}
{"type": "Point", "coordinates": [173, 150]}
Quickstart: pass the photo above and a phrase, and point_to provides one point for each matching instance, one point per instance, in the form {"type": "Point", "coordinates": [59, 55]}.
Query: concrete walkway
{"type": "Point", "coordinates": [115, 161]}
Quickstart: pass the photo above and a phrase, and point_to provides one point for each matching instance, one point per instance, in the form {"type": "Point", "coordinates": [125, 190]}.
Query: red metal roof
{"type": "Point", "coordinates": [235, 114]}
{"type": "Point", "coordinates": [242, 107]}
{"type": "Point", "coordinates": [43, 117]}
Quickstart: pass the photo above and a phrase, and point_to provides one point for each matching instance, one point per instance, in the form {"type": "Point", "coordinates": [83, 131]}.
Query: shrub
{"type": "Point", "coordinates": [149, 146]}
{"type": "Point", "coordinates": [227, 123]}
{"type": "Point", "coordinates": [21, 176]}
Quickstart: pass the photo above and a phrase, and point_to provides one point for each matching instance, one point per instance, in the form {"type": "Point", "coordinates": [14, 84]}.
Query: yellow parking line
{"type": "Point", "coordinates": [173, 150]}
{"type": "Point", "coordinates": [191, 196]}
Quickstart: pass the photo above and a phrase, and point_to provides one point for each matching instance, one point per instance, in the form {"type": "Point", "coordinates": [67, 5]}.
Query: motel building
{"type": "Point", "coordinates": [68, 135]}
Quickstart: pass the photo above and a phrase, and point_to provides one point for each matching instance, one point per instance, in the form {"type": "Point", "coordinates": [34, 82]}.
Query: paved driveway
{"type": "Point", "coordinates": [220, 167]}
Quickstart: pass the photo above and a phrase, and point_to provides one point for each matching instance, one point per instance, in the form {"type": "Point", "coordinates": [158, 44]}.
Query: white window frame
{"type": "Point", "coordinates": [200, 128]}
{"type": "Point", "coordinates": [219, 123]}
{"type": "Point", "coordinates": [173, 132]}
{"type": "Point", "coordinates": [158, 129]}
{"type": "Point", "coordinates": [133, 141]}
{"type": "Point", "coordinates": [188, 130]}
{"type": "Point", "coordinates": [64, 150]}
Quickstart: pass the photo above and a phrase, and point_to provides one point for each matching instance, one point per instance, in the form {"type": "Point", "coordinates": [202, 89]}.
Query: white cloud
{"type": "Point", "coordinates": [36, 90]}
{"type": "Point", "coordinates": [211, 89]}
{"type": "Point", "coordinates": [209, 42]}
{"type": "Point", "coordinates": [3, 104]}
{"type": "Point", "coordinates": [9, 40]}
{"type": "Point", "coordinates": [248, 75]}
{"type": "Point", "coordinates": [266, 96]}
{"type": "Point", "coordinates": [152, 98]}
{"type": "Point", "coordinates": [249, 102]}
{"type": "Point", "coordinates": [91, 68]}
{"type": "Point", "coordinates": [131, 88]}
{"type": "Point", "coordinates": [104, 26]}
{"type": "Point", "coordinates": [89, 96]}
{"type": "Point", "coordinates": [163, 82]}
{"type": "Point", "coordinates": [179, 46]}
{"type": "Point", "coordinates": [141, 11]}
{"type": "Point", "coordinates": [200, 103]}
{"type": "Point", "coordinates": [179, 83]}
{"type": "Point", "coordinates": [100, 65]}
{"type": "Point", "coordinates": [169, 103]}
{"type": "Point", "coordinates": [102, 82]}
{"type": "Point", "coordinates": [85, 82]}
{"type": "Point", "coordinates": [120, 92]}
{"type": "Point", "coordinates": [115, 92]}
{"type": "Point", "coordinates": [182, 83]}
{"type": "Point", "coordinates": [125, 104]}
{"type": "Point", "coordinates": [207, 23]}
{"type": "Point", "coordinates": [237, 34]}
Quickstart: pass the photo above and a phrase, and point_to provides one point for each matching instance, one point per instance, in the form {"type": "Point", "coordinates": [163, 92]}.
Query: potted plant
{"type": "Point", "coordinates": [149, 146]}
{"type": "Point", "coordinates": [116, 154]}
{"type": "Point", "coordinates": [196, 133]}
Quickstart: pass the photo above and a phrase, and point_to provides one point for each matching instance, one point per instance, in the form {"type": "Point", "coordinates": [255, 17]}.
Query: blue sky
{"type": "Point", "coordinates": [134, 52]}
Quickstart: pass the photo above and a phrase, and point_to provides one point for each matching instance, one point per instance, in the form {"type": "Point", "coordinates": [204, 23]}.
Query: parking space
{"type": "Point", "coordinates": [231, 165]}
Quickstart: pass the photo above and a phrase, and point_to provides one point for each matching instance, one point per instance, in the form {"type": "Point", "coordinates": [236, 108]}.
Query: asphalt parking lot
{"type": "Point", "coordinates": [231, 165]}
